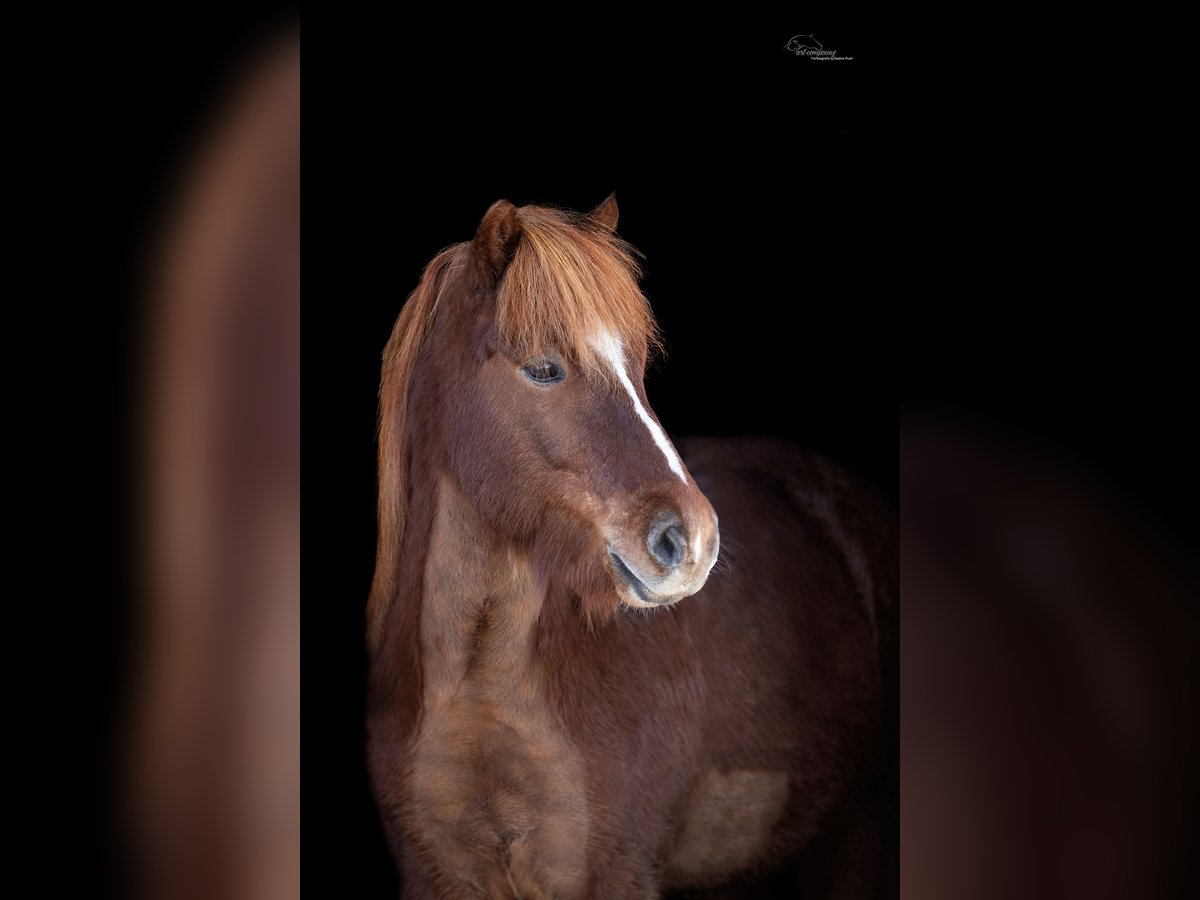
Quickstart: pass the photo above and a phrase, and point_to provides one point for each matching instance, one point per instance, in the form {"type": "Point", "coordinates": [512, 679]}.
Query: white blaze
{"type": "Point", "coordinates": [609, 346]}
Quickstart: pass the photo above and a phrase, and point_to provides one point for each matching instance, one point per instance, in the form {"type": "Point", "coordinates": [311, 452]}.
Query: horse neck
{"type": "Point", "coordinates": [479, 600]}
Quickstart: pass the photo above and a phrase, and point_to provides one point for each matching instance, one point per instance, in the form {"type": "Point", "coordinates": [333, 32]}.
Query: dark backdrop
{"type": "Point", "coordinates": [942, 241]}
{"type": "Point", "coordinates": [747, 176]}
{"type": "Point", "coordinates": [825, 243]}
{"type": "Point", "coordinates": [744, 174]}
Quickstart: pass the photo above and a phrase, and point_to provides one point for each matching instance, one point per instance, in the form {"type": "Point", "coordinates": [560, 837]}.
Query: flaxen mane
{"type": "Point", "coordinates": [569, 279]}
{"type": "Point", "coordinates": [398, 359]}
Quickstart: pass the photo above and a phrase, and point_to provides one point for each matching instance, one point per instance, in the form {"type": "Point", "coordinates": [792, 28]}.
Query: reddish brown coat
{"type": "Point", "coordinates": [531, 735]}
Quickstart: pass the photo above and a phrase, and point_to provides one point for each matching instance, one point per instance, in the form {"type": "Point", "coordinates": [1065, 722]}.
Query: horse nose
{"type": "Point", "coordinates": [666, 543]}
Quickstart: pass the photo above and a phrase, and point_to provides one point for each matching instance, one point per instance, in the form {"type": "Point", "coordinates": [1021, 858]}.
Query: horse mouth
{"type": "Point", "coordinates": [625, 574]}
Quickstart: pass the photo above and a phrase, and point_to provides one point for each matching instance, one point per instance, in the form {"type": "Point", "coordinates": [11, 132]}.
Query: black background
{"type": "Point", "coordinates": [941, 252]}
{"type": "Point", "coordinates": [743, 175]}
{"type": "Point", "coordinates": [747, 176]}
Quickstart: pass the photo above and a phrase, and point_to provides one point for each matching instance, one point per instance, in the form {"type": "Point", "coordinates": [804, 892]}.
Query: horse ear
{"type": "Point", "coordinates": [497, 238]}
{"type": "Point", "coordinates": [605, 215]}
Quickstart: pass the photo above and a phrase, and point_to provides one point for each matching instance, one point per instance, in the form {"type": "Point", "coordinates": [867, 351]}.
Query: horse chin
{"type": "Point", "coordinates": [632, 589]}
{"type": "Point", "coordinates": [631, 600]}
{"type": "Point", "coordinates": [635, 592]}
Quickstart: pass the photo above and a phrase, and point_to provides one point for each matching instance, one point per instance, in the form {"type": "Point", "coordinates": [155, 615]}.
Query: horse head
{"type": "Point", "coordinates": [524, 352]}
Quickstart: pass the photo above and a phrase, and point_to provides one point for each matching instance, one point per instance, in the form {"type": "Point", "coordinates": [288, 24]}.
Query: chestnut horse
{"type": "Point", "coordinates": [546, 718]}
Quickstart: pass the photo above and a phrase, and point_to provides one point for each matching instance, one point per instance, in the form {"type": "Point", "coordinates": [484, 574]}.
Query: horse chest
{"type": "Point", "coordinates": [497, 797]}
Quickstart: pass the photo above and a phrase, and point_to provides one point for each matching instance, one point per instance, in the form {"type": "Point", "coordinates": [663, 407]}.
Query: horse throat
{"type": "Point", "coordinates": [479, 604]}
{"type": "Point", "coordinates": [496, 784]}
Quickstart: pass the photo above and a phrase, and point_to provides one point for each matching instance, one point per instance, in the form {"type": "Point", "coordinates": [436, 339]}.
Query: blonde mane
{"type": "Point", "coordinates": [569, 280]}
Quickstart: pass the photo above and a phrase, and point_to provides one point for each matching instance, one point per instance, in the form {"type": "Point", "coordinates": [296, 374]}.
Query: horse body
{"type": "Point", "coordinates": [543, 723]}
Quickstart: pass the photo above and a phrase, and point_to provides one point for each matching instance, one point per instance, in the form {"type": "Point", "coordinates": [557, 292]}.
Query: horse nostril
{"type": "Point", "coordinates": [666, 545]}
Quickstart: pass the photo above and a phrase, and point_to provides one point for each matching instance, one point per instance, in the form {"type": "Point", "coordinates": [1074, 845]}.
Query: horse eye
{"type": "Point", "coordinates": [543, 371]}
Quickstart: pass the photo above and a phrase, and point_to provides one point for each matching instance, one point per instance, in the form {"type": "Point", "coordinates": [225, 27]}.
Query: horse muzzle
{"type": "Point", "coordinates": [672, 562]}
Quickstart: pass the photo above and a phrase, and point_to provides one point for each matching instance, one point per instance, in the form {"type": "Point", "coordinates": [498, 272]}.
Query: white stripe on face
{"type": "Point", "coordinates": [609, 346]}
